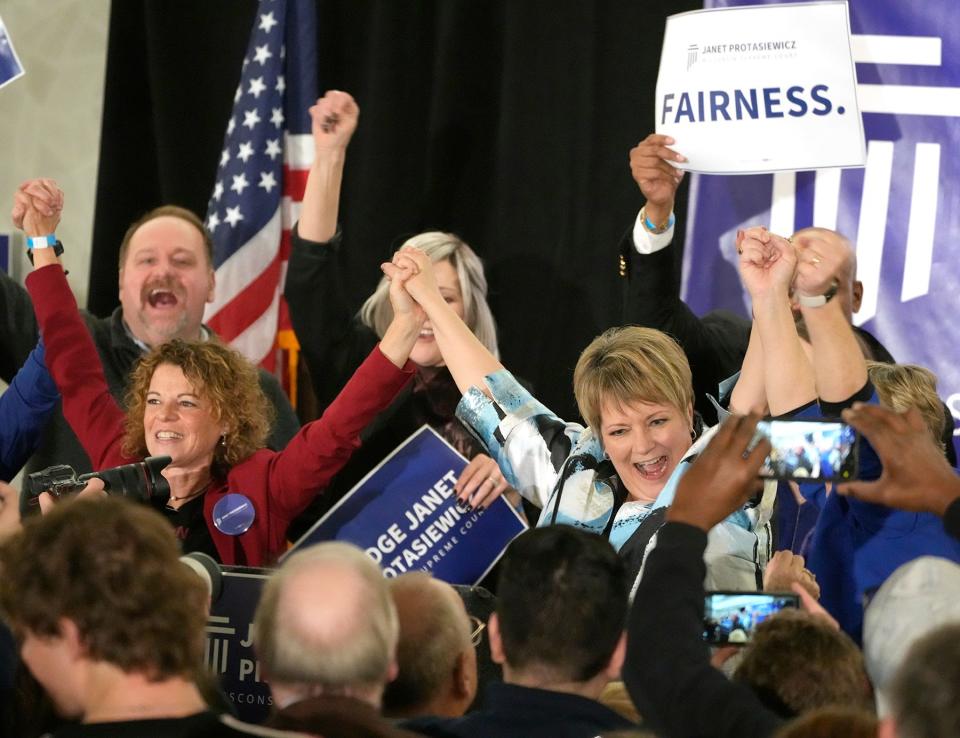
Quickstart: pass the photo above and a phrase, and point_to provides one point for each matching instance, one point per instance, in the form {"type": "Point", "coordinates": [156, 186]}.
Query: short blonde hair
{"type": "Point", "coordinates": [328, 660]}
{"type": "Point", "coordinates": [628, 365]}
{"type": "Point", "coordinates": [902, 386]}
{"type": "Point", "coordinates": [377, 312]}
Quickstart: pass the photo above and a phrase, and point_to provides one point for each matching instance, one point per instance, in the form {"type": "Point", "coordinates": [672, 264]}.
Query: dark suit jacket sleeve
{"type": "Point", "coordinates": [332, 342]}
{"type": "Point", "coordinates": [18, 327]}
{"type": "Point", "coordinates": [668, 671]}
{"type": "Point", "coordinates": [715, 345]}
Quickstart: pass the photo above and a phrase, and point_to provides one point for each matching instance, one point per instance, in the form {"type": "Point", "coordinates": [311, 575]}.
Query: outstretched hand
{"type": "Point", "coordinates": [37, 206]}
{"type": "Point", "coordinates": [723, 477]}
{"type": "Point", "coordinates": [651, 170]}
{"type": "Point", "coordinates": [916, 475]}
{"type": "Point", "coordinates": [334, 119]}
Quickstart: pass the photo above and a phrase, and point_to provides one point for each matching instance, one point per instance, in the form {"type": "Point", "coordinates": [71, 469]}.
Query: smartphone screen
{"type": "Point", "coordinates": [809, 450]}
{"type": "Point", "coordinates": [729, 618]}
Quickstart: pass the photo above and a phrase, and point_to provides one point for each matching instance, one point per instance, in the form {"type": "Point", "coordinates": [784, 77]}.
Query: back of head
{"type": "Point", "coordinates": [917, 598]}
{"type": "Point", "coordinates": [377, 313]}
{"type": "Point", "coordinates": [110, 566]}
{"type": "Point", "coordinates": [925, 693]}
{"type": "Point", "coordinates": [562, 603]}
{"type": "Point", "coordinates": [797, 662]}
{"type": "Point", "coordinates": [902, 386]}
{"type": "Point", "coordinates": [326, 623]}
{"type": "Point", "coordinates": [434, 633]}
{"type": "Point", "coordinates": [628, 365]}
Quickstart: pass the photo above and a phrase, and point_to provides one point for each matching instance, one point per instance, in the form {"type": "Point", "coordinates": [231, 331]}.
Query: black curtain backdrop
{"type": "Point", "coordinates": [508, 122]}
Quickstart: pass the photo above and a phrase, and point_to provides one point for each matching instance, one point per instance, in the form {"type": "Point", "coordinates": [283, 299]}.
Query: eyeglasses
{"type": "Point", "coordinates": [476, 637]}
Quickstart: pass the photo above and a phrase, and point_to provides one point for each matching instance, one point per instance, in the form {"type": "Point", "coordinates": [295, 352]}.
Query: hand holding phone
{"type": "Point", "coordinates": [809, 450]}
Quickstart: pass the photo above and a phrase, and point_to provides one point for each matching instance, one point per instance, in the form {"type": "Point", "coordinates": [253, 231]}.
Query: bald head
{"type": "Point", "coordinates": [849, 290]}
{"type": "Point", "coordinates": [326, 624]}
{"type": "Point", "coordinates": [435, 657]}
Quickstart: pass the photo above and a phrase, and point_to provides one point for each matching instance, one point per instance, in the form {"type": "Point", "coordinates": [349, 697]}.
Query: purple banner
{"type": "Point", "coordinates": [900, 210]}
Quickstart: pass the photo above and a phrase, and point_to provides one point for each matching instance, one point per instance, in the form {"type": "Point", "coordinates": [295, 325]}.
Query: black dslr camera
{"type": "Point", "coordinates": [141, 481]}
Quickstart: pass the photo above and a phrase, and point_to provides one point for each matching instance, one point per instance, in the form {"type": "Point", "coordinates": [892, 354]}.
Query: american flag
{"type": "Point", "coordinates": [266, 155]}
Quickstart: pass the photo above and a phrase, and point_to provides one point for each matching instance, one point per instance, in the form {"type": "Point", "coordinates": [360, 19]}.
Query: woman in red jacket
{"type": "Point", "coordinates": [199, 402]}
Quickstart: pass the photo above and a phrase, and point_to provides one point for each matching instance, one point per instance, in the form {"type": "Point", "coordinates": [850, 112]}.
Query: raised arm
{"type": "Point", "coordinates": [839, 366]}
{"type": "Point", "coordinates": [317, 293]}
{"type": "Point", "coordinates": [18, 326]}
{"type": "Point", "coordinates": [334, 119]}
{"type": "Point", "coordinates": [714, 344]}
{"type": "Point", "coordinates": [70, 352]}
{"type": "Point", "coordinates": [767, 265]}
{"type": "Point", "coordinates": [323, 447]}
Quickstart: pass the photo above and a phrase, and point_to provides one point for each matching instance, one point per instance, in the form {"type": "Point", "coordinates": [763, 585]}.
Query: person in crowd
{"type": "Point", "coordinates": [165, 279]}
{"type": "Point", "coordinates": [716, 343]}
{"type": "Point", "coordinates": [115, 643]}
{"type": "Point", "coordinates": [334, 338]}
{"type": "Point", "coordinates": [617, 476]}
{"type": "Point", "coordinates": [436, 656]}
{"type": "Point", "coordinates": [200, 404]}
{"type": "Point", "coordinates": [854, 546]}
{"type": "Point", "coordinates": [558, 632]}
{"type": "Point", "coordinates": [797, 661]}
{"type": "Point", "coordinates": [670, 677]}
{"type": "Point", "coordinates": [920, 596]}
{"type": "Point", "coordinates": [25, 408]}
{"type": "Point", "coordinates": [925, 693]}
{"type": "Point", "coordinates": [831, 722]}
{"type": "Point", "coordinates": [325, 633]}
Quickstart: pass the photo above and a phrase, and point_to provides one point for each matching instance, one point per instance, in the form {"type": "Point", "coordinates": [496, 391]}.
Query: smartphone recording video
{"type": "Point", "coordinates": [809, 450]}
{"type": "Point", "coordinates": [730, 617]}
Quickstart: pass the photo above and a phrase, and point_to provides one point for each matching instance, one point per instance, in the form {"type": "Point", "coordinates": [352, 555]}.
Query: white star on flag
{"type": "Point", "coordinates": [251, 118]}
{"type": "Point", "coordinates": [218, 190]}
{"type": "Point", "coordinates": [273, 149]}
{"type": "Point", "coordinates": [267, 181]}
{"type": "Point", "coordinates": [281, 84]}
{"type": "Point", "coordinates": [267, 22]}
{"type": "Point", "coordinates": [212, 222]}
{"type": "Point", "coordinates": [256, 87]}
{"type": "Point", "coordinates": [245, 151]}
{"type": "Point", "coordinates": [224, 157]}
{"type": "Point", "coordinates": [276, 117]}
{"type": "Point", "coordinates": [233, 216]}
{"type": "Point", "coordinates": [239, 182]}
{"type": "Point", "coordinates": [262, 54]}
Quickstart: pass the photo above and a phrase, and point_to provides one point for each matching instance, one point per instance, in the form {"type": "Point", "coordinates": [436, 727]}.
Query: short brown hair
{"type": "Point", "coordinates": [831, 722]}
{"type": "Point", "coordinates": [902, 386]}
{"type": "Point", "coordinates": [628, 365]}
{"type": "Point", "coordinates": [925, 692]}
{"type": "Point", "coordinates": [172, 211]}
{"type": "Point", "coordinates": [802, 662]}
{"type": "Point", "coordinates": [110, 566]}
{"type": "Point", "coordinates": [433, 633]}
{"type": "Point", "coordinates": [221, 375]}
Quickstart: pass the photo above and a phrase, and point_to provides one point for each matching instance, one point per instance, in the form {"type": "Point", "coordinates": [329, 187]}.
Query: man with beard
{"type": "Point", "coordinates": [166, 278]}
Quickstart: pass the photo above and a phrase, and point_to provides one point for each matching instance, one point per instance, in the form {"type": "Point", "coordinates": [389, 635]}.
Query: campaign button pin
{"type": "Point", "coordinates": [234, 514]}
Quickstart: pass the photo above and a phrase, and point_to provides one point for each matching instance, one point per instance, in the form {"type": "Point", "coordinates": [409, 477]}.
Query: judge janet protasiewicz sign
{"type": "Point", "coordinates": [404, 515]}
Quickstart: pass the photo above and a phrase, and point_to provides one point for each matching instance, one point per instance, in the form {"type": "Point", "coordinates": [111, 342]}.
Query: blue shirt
{"type": "Point", "coordinates": [25, 408]}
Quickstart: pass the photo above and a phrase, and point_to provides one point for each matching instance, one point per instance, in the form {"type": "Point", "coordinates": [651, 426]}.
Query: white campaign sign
{"type": "Point", "coordinates": [761, 88]}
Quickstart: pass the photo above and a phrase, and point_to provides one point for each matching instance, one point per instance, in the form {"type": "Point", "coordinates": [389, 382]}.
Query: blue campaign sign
{"type": "Point", "coordinates": [229, 648]}
{"type": "Point", "coordinates": [404, 515]}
